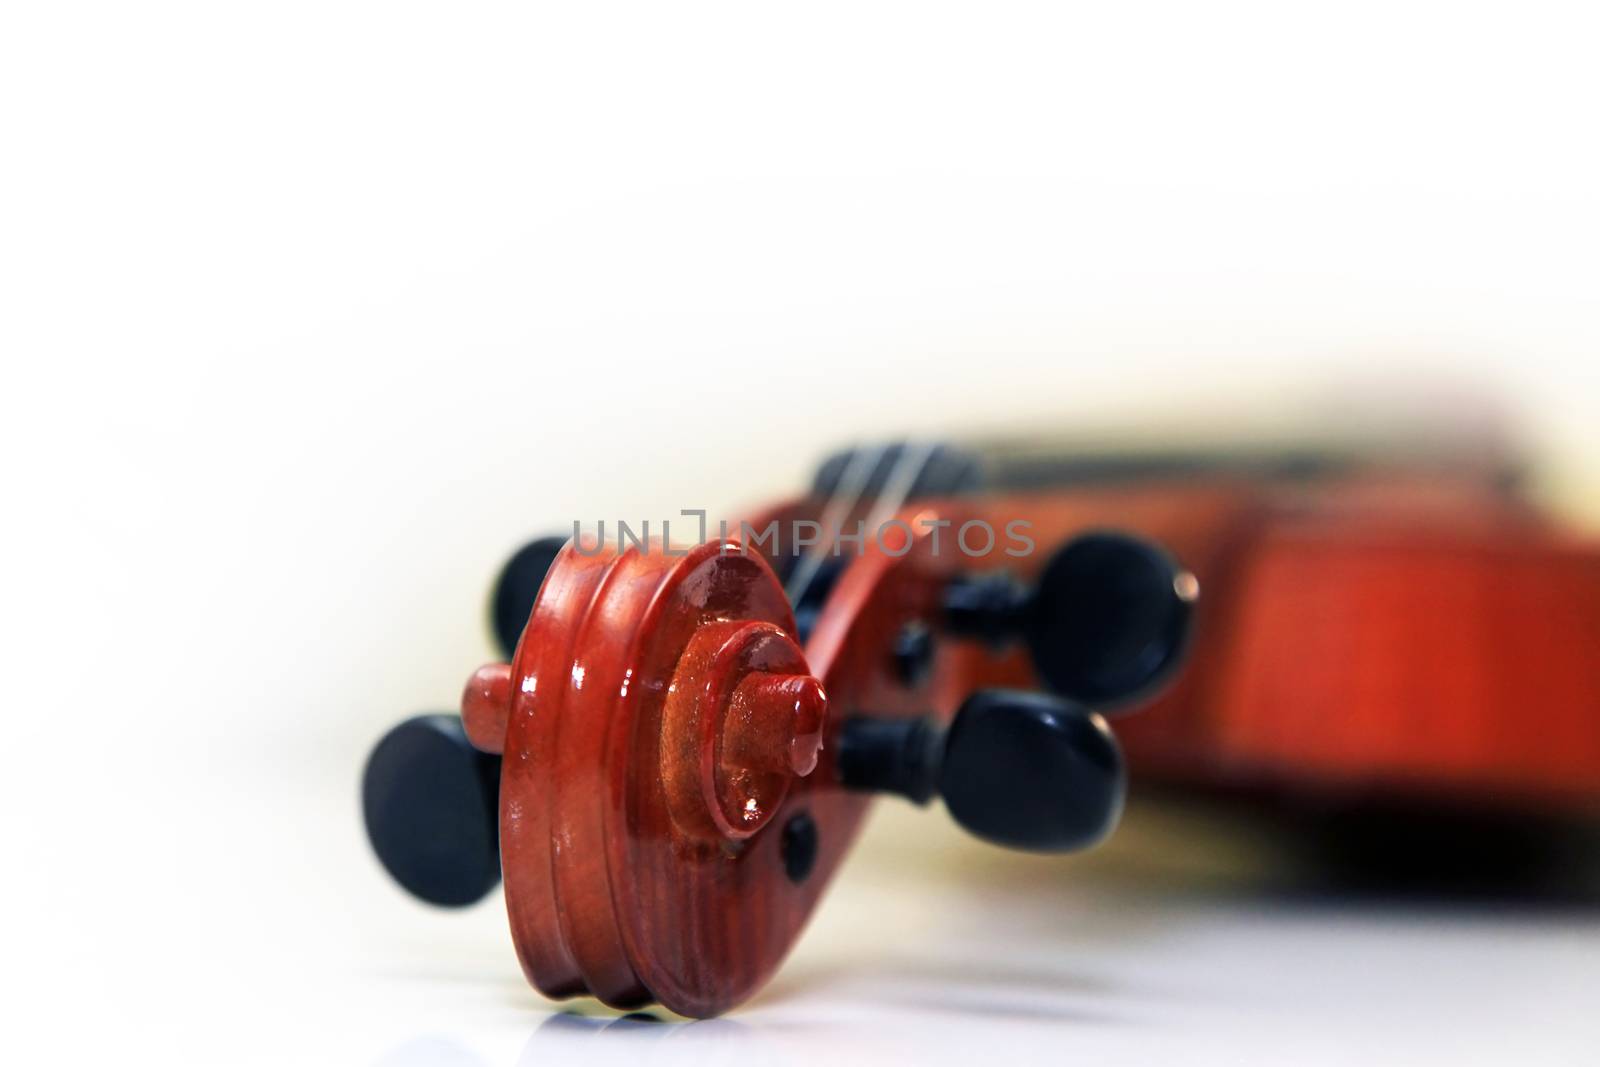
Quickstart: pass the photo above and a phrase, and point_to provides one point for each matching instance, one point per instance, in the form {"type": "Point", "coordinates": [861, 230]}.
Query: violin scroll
{"type": "Point", "coordinates": [679, 772]}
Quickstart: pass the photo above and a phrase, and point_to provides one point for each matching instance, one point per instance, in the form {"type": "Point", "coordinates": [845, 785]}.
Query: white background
{"type": "Point", "coordinates": [310, 311]}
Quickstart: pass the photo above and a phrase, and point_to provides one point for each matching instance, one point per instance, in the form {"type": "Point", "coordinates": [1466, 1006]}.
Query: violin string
{"type": "Point", "coordinates": [846, 494]}
{"type": "Point", "coordinates": [913, 461]}
{"type": "Point", "coordinates": [891, 496]}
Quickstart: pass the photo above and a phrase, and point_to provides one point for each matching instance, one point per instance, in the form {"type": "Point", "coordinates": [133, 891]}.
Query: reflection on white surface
{"type": "Point", "coordinates": [1209, 985]}
{"type": "Point", "coordinates": [940, 953]}
{"type": "Point", "coordinates": [288, 944]}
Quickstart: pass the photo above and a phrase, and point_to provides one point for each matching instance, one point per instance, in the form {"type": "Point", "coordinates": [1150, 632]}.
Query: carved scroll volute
{"type": "Point", "coordinates": [653, 727]}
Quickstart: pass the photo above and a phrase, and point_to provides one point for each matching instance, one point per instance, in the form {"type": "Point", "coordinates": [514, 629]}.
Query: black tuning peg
{"type": "Point", "coordinates": [430, 801]}
{"type": "Point", "coordinates": [517, 587]}
{"type": "Point", "coordinates": [1018, 769]}
{"type": "Point", "coordinates": [1107, 621]}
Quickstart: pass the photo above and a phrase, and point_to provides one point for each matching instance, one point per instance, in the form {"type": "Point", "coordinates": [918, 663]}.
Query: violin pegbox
{"type": "Point", "coordinates": [1107, 621]}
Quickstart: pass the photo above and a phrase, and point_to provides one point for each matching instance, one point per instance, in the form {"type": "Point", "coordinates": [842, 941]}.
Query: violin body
{"type": "Point", "coordinates": [1377, 643]}
{"type": "Point", "coordinates": [1370, 630]}
{"type": "Point", "coordinates": [1368, 641]}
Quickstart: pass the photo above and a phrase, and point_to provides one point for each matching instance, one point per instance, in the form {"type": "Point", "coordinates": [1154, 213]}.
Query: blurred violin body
{"type": "Point", "coordinates": [1377, 627]}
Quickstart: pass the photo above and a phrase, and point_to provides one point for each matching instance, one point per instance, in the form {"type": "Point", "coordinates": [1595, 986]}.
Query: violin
{"type": "Point", "coordinates": [683, 747]}
{"type": "Point", "coordinates": [680, 750]}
